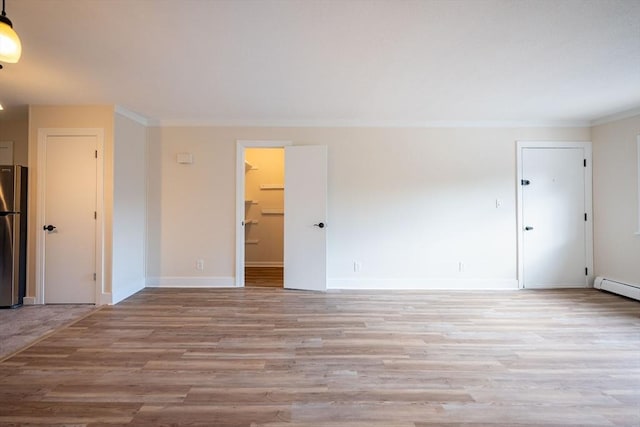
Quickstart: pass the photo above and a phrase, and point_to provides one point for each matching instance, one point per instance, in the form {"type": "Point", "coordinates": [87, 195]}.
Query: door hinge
{"type": "Point", "coordinates": [585, 163]}
{"type": "Point", "coordinates": [94, 277]}
{"type": "Point", "coordinates": [95, 215]}
{"type": "Point", "coordinates": [586, 271]}
{"type": "Point", "coordinates": [585, 216]}
{"type": "Point", "coordinates": [525, 182]}
{"type": "Point", "coordinates": [96, 154]}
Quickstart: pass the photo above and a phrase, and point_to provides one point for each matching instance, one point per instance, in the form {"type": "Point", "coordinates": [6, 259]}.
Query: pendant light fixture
{"type": "Point", "coordinates": [10, 46]}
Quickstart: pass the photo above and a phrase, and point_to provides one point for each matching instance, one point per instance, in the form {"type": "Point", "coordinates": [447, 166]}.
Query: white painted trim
{"type": "Point", "coordinates": [241, 145]}
{"type": "Point", "coordinates": [588, 200]}
{"type": "Point", "coordinates": [419, 284]}
{"type": "Point", "coordinates": [29, 301]}
{"type": "Point", "coordinates": [616, 116]}
{"type": "Point", "coordinates": [138, 118]}
{"type": "Point", "coordinates": [375, 124]}
{"type": "Point", "coordinates": [105, 299]}
{"type": "Point", "coordinates": [43, 134]}
{"type": "Point", "coordinates": [637, 233]}
{"type": "Point", "coordinates": [558, 286]}
{"type": "Point", "coordinates": [100, 225]}
{"type": "Point", "coordinates": [620, 287]}
{"type": "Point", "coordinates": [191, 282]}
{"type": "Point", "coordinates": [247, 143]}
{"type": "Point", "coordinates": [265, 264]}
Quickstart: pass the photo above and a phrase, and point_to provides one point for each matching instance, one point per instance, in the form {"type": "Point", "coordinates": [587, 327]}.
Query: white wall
{"type": "Point", "coordinates": [408, 204]}
{"type": "Point", "coordinates": [191, 208]}
{"type": "Point", "coordinates": [615, 187]}
{"type": "Point", "coordinates": [129, 207]}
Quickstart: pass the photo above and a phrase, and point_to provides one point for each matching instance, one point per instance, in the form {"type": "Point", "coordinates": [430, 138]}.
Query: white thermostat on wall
{"type": "Point", "coordinates": [185, 158]}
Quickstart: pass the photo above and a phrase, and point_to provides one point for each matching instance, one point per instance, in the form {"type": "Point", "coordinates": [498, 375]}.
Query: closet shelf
{"type": "Point", "coordinates": [272, 186]}
{"type": "Point", "coordinates": [272, 211]}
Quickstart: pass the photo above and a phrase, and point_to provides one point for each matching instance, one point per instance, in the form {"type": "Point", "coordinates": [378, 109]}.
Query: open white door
{"type": "Point", "coordinates": [305, 207]}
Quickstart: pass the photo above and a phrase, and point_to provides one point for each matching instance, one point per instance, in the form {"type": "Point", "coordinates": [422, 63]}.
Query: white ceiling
{"type": "Point", "coordinates": [342, 62]}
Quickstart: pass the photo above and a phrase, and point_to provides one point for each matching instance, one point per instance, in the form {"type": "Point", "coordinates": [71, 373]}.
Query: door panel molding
{"type": "Point", "coordinates": [101, 296]}
{"type": "Point", "coordinates": [588, 197]}
{"type": "Point", "coordinates": [241, 145]}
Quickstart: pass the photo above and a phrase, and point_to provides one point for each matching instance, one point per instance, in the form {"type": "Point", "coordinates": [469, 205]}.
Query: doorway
{"type": "Point", "coordinates": [264, 217]}
{"type": "Point", "coordinates": [305, 205]}
{"type": "Point", "coordinates": [555, 240]}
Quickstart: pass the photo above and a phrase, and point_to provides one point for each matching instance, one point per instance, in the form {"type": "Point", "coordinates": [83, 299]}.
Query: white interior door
{"type": "Point", "coordinates": [70, 207]}
{"type": "Point", "coordinates": [305, 207]}
{"type": "Point", "coordinates": [554, 221]}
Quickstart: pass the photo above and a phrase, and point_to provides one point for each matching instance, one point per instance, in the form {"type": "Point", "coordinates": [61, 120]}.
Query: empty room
{"type": "Point", "coordinates": [338, 213]}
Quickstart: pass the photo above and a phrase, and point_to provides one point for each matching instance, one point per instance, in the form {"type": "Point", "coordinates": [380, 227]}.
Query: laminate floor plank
{"type": "Point", "coordinates": [264, 276]}
{"type": "Point", "coordinates": [273, 357]}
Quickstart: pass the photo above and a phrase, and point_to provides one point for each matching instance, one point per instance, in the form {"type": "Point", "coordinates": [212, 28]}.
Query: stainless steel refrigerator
{"type": "Point", "coordinates": [13, 235]}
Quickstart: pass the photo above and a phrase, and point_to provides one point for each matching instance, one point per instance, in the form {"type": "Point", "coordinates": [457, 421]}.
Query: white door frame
{"type": "Point", "coordinates": [588, 195]}
{"type": "Point", "coordinates": [43, 134]}
{"type": "Point", "coordinates": [241, 145]}
{"type": "Point", "coordinates": [638, 172]}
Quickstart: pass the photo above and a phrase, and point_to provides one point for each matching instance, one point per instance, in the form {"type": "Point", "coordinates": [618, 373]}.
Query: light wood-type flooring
{"type": "Point", "coordinates": [274, 357]}
{"type": "Point", "coordinates": [271, 277]}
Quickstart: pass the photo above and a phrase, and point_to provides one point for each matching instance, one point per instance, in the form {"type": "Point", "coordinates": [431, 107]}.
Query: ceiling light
{"type": "Point", "coordinates": [10, 46]}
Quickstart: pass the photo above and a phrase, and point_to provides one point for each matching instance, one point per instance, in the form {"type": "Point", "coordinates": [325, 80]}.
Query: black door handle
{"type": "Point", "coordinates": [49, 227]}
{"type": "Point", "coordinates": [528, 228]}
{"type": "Point", "coordinates": [319, 225]}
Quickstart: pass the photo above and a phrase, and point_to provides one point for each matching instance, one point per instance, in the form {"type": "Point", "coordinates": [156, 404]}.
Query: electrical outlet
{"type": "Point", "coordinates": [200, 264]}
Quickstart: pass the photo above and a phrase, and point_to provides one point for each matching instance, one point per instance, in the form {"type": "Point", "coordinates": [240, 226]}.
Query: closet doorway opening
{"type": "Point", "coordinates": [258, 253]}
{"type": "Point", "coordinates": [264, 217]}
{"type": "Point", "coordinates": [303, 229]}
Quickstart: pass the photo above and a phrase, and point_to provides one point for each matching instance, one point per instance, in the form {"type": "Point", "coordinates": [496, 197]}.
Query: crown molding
{"type": "Point", "coordinates": [501, 124]}
{"type": "Point", "coordinates": [372, 124]}
{"type": "Point", "coordinates": [138, 118]}
{"type": "Point", "coordinates": [616, 116]}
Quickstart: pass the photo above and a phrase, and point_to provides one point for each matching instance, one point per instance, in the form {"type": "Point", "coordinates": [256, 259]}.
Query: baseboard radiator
{"type": "Point", "coordinates": [630, 290]}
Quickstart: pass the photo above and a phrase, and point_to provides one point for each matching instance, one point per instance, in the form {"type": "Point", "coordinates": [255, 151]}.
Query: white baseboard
{"type": "Point", "coordinates": [573, 286]}
{"type": "Point", "coordinates": [29, 301]}
{"type": "Point", "coordinates": [423, 284]}
{"type": "Point", "coordinates": [105, 298]}
{"type": "Point", "coordinates": [264, 264]}
{"type": "Point", "coordinates": [620, 287]}
{"type": "Point", "coordinates": [191, 282]}
{"type": "Point", "coordinates": [347, 283]}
